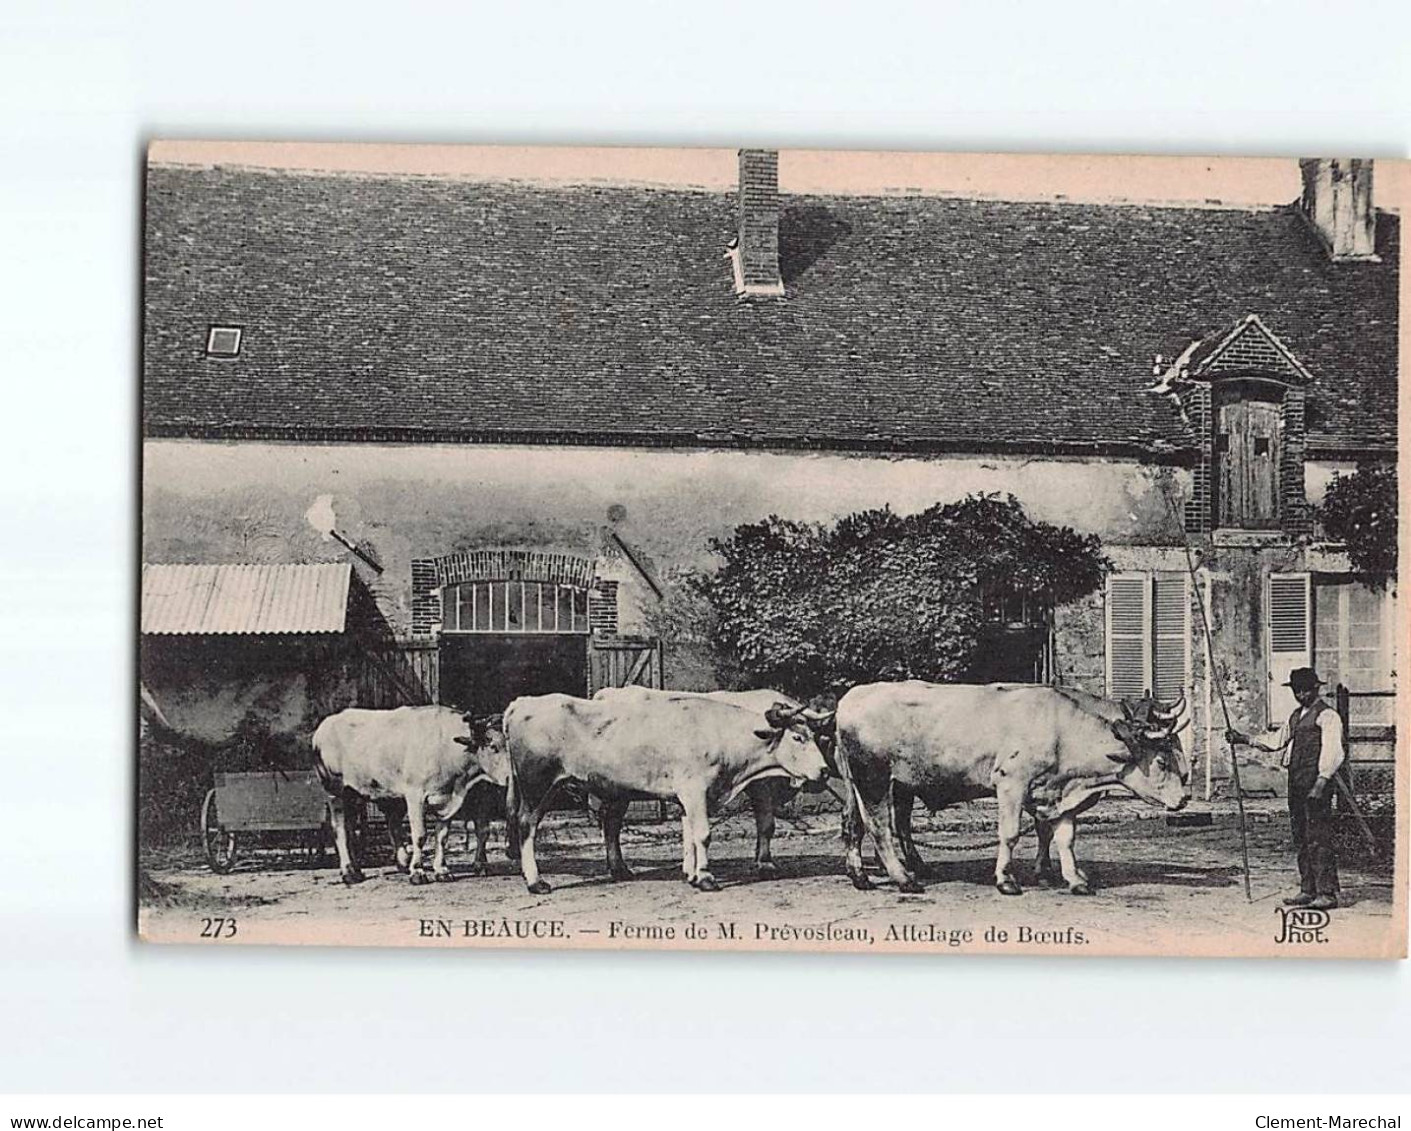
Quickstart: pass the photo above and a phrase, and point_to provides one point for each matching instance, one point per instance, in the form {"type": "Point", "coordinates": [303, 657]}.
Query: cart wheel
{"type": "Point", "coordinates": [219, 842]}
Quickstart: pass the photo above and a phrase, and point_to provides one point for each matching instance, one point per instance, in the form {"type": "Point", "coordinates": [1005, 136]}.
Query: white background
{"type": "Point", "coordinates": [82, 85]}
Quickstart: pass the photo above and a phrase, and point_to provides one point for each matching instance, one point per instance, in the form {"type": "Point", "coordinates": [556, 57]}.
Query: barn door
{"type": "Point", "coordinates": [624, 661]}
{"type": "Point", "coordinates": [1249, 450]}
{"type": "Point", "coordinates": [1289, 637]}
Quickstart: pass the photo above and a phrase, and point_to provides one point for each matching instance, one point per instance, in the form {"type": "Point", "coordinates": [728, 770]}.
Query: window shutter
{"type": "Point", "coordinates": [1128, 635]}
{"type": "Point", "coordinates": [1171, 641]}
{"type": "Point", "coordinates": [1288, 636]}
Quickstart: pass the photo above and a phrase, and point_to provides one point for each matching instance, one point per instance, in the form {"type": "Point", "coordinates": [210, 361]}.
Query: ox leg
{"type": "Point", "coordinates": [688, 851]}
{"type": "Point", "coordinates": [416, 817]}
{"type": "Point", "coordinates": [481, 863]}
{"type": "Point", "coordinates": [852, 841]}
{"type": "Point", "coordinates": [696, 819]}
{"type": "Point", "coordinates": [438, 863]}
{"type": "Point", "coordinates": [529, 812]}
{"type": "Point", "coordinates": [614, 812]}
{"type": "Point", "coordinates": [1011, 807]}
{"type": "Point", "coordinates": [1064, 833]}
{"type": "Point", "coordinates": [1044, 830]}
{"type": "Point", "coordinates": [338, 809]}
{"type": "Point", "coordinates": [392, 815]}
{"type": "Point", "coordinates": [762, 801]}
{"type": "Point", "coordinates": [903, 802]}
{"type": "Point", "coordinates": [876, 812]}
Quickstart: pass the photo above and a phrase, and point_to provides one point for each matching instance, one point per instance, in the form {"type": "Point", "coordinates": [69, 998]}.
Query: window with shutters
{"type": "Point", "coordinates": [1148, 635]}
{"type": "Point", "coordinates": [1288, 637]}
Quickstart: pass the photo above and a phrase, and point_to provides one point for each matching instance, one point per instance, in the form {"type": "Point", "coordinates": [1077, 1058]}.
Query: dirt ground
{"type": "Point", "coordinates": [1160, 889]}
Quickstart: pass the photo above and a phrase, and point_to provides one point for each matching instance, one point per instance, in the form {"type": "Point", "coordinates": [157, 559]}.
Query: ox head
{"type": "Point", "coordinates": [1153, 761]}
{"type": "Point", "coordinates": [795, 748]}
{"type": "Point", "coordinates": [821, 718]}
{"type": "Point", "coordinates": [487, 742]}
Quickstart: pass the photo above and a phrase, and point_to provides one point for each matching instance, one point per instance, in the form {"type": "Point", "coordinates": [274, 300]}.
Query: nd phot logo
{"type": "Point", "coordinates": [1299, 925]}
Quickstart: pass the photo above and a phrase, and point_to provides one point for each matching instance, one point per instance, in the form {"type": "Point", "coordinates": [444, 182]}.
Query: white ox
{"type": "Point", "coordinates": [1041, 748]}
{"type": "Point", "coordinates": [417, 756]}
{"type": "Point", "coordinates": [700, 751]}
{"type": "Point", "coordinates": [767, 795]}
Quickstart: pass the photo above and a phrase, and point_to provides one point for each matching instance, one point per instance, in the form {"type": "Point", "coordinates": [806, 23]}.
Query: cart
{"type": "Point", "coordinates": [251, 810]}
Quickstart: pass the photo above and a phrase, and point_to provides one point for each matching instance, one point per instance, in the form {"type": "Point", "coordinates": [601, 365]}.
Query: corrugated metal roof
{"type": "Point", "coordinates": [227, 599]}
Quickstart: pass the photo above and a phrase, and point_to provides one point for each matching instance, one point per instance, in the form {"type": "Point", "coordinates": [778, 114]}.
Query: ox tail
{"type": "Point", "coordinates": [332, 783]}
{"type": "Point", "coordinates": [511, 804]}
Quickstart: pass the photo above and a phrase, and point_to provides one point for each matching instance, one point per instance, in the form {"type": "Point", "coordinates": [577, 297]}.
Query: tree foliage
{"type": "Point", "coordinates": [810, 608]}
{"type": "Point", "coordinates": [1360, 510]}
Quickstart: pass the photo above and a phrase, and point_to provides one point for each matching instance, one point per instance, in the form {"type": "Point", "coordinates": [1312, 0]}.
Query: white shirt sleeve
{"type": "Point", "coordinates": [1332, 754]}
{"type": "Point", "coordinates": [1283, 744]}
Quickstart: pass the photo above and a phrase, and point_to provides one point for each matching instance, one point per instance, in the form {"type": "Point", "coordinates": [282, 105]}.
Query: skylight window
{"type": "Point", "coordinates": [223, 341]}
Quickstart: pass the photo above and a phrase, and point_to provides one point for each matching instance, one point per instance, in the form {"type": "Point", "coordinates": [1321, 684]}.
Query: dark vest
{"type": "Point", "coordinates": [1307, 740]}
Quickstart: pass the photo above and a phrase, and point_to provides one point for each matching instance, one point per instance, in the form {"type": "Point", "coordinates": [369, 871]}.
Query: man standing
{"type": "Point", "coordinates": [1311, 746]}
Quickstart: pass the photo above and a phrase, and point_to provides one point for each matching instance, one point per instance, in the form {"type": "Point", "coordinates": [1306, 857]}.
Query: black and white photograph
{"type": "Point", "coordinates": [759, 549]}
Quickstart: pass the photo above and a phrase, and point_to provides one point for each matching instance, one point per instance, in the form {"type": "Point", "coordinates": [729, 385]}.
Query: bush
{"type": "Point", "coordinates": [810, 608]}
{"type": "Point", "coordinates": [1360, 510]}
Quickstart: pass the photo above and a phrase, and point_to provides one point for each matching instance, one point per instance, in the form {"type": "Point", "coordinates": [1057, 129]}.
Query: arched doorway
{"type": "Point", "coordinates": [506, 637]}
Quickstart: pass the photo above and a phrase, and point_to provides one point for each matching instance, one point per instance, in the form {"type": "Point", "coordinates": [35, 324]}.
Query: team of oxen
{"type": "Point", "coordinates": [1046, 751]}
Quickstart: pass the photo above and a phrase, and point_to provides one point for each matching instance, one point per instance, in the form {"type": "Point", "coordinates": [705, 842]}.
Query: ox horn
{"type": "Point", "coordinates": [780, 715]}
{"type": "Point", "coordinates": [1165, 714]}
{"type": "Point", "coordinates": [818, 718]}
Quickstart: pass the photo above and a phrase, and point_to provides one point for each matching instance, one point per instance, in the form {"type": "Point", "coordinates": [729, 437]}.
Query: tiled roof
{"type": "Point", "coordinates": [403, 308]}
{"type": "Point", "coordinates": [230, 599]}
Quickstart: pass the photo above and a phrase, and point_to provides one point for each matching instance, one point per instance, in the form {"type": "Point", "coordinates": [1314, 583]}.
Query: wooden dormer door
{"type": "Point", "coordinates": [1249, 451]}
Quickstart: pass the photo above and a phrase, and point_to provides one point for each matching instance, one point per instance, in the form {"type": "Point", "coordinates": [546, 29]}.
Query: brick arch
{"type": "Point", "coordinates": [431, 575]}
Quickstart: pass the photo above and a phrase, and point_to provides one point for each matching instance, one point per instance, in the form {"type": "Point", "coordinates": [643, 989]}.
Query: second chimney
{"type": "Point", "coordinates": [757, 247]}
{"type": "Point", "coordinates": [1337, 200]}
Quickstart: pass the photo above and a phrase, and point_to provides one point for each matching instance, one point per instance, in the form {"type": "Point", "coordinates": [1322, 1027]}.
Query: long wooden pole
{"type": "Point", "coordinates": [1211, 674]}
{"type": "Point", "coordinates": [1229, 726]}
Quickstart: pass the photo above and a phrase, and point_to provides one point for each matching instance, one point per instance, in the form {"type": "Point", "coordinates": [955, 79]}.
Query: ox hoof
{"type": "Point", "coordinates": [479, 867]}
{"type": "Point", "coordinates": [353, 876]}
{"type": "Point", "coordinates": [911, 886]}
{"type": "Point", "coordinates": [1009, 887]}
{"type": "Point", "coordinates": [861, 882]}
{"type": "Point", "coordinates": [540, 887]}
{"type": "Point", "coordinates": [419, 878]}
{"type": "Point", "coordinates": [620, 875]}
{"type": "Point", "coordinates": [705, 882]}
{"type": "Point", "coordinates": [1080, 889]}
{"type": "Point", "coordinates": [443, 877]}
{"type": "Point", "coordinates": [766, 869]}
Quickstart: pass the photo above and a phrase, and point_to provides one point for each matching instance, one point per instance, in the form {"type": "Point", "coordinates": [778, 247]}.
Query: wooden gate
{"type": "Point", "coordinates": [398, 674]}
{"type": "Point", "coordinates": [624, 661]}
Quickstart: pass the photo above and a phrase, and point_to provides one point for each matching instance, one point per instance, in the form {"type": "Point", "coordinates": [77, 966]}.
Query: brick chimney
{"type": "Point", "coordinates": [1337, 201]}
{"type": "Point", "coordinates": [756, 251]}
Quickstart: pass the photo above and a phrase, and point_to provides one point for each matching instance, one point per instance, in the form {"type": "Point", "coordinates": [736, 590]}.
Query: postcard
{"type": "Point", "coordinates": [770, 550]}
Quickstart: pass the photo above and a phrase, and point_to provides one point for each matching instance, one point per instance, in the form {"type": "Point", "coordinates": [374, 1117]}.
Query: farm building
{"type": "Point", "coordinates": [536, 405]}
{"type": "Point", "coordinates": [277, 647]}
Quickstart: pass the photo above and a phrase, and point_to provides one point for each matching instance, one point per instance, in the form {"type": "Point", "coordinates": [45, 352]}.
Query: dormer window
{"type": "Point", "coordinates": [223, 341]}
{"type": "Point", "coordinates": [1249, 392]}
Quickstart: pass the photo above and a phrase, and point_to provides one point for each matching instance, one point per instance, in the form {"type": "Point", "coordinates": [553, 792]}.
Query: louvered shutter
{"type": "Point", "coordinates": [1288, 635]}
{"type": "Point", "coordinates": [1128, 635]}
{"type": "Point", "coordinates": [1171, 638]}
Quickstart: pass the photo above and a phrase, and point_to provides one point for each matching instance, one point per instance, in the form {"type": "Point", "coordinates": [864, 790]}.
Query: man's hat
{"type": "Point", "coordinates": [1303, 679]}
